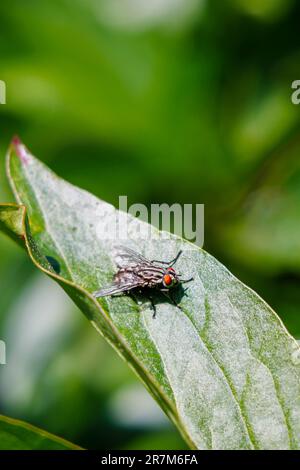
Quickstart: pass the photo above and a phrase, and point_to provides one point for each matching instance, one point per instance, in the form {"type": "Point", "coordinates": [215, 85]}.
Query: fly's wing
{"type": "Point", "coordinates": [114, 289]}
{"type": "Point", "coordinates": [109, 290]}
{"type": "Point", "coordinates": [124, 281]}
{"type": "Point", "coordinates": [125, 257]}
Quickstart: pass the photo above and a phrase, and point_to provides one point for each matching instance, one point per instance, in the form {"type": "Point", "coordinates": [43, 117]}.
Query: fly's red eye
{"type": "Point", "coordinates": [168, 279]}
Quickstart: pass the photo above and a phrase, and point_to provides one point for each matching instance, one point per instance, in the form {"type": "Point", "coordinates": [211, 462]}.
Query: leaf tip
{"type": "Point", "coordinates": [20, 149]}
{"type": "Point", "coordinates": [15, 141]}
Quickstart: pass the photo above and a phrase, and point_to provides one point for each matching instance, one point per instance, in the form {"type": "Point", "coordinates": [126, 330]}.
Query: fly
{"type": "Point", "coordinates": [135, 272]}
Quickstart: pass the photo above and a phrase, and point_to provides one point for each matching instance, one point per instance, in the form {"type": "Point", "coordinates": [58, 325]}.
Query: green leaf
{"type": "Point", "coordinates": [11, 221]}
{"type": "Point", "coordinates": [17, 435]}
{"type": "Point", "coordinates": [223, 367]}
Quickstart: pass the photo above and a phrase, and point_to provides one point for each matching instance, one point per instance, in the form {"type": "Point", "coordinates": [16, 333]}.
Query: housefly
{"type": "Point", "coordinates": [137, 273]}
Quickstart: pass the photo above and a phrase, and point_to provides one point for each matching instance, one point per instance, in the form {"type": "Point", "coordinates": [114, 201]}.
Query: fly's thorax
{"type": "Point", "coordinates": [124, 276]}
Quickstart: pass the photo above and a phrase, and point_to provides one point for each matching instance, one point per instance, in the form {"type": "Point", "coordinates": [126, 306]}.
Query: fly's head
{"type": "Point", "coordinates": [170, 278]}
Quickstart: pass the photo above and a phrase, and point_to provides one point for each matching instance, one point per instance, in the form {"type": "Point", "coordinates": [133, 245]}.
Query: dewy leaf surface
{"type": "Point", "coordinates": [223, 367]}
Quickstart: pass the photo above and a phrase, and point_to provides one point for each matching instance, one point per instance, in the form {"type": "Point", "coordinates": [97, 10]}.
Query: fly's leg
{"type": "Point", "coordinates": [167, 293]}
{"type": "Point", "coordinates": [153, 306]}
{"type": "Point", "coordinates": [168, 263]}
{"type": "Point", "coordinates": [185, 290]}
{"type": "Point", "coordinates": [174, 301]}
{"type": "Point", "coordinates": [134, 296]}
{"type": "Point", "coordinates": [184, 281]}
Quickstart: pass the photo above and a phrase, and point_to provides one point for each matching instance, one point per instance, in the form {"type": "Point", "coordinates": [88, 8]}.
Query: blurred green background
{"type": "Point", "coordinates": [183, 101]}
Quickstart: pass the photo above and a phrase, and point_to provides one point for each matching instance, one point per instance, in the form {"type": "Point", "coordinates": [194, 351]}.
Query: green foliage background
{"type": "Point", "coordinates": [185, 101]}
